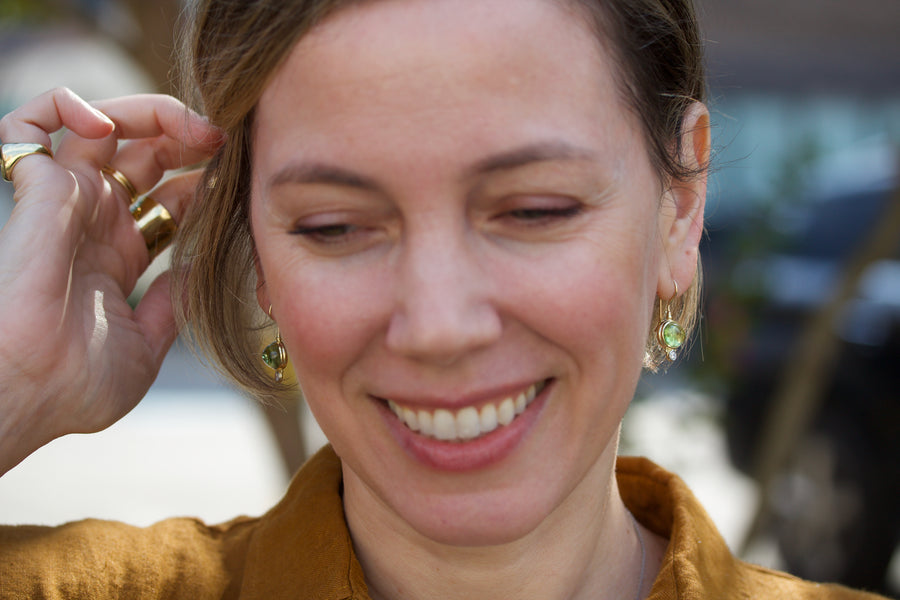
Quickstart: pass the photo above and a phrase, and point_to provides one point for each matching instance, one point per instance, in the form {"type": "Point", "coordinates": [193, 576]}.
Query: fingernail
{"type": "Point", "coordinates": [103, 116]}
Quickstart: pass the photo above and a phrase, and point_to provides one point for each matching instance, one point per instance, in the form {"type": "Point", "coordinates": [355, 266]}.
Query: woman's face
{"type": "Point", "coordinates": [452, 209]}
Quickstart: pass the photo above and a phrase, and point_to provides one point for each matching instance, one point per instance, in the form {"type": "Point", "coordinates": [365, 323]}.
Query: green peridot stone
{"type": "Point", "coordinates": [672, 334]}
{"type": "Point", "coordinates": [275, 356]}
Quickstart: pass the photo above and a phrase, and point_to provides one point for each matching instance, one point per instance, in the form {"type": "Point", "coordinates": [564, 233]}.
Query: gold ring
{"type": "Point", "coordinates": [10, 154]}
{"type": "Point", "coordinates": [156, 224]}
{"type": "Point", "coordinates": [123, 181]}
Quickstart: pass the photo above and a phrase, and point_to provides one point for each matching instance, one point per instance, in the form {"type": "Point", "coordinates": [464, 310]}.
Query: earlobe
{"type": "Point", "coordinates": [681, 221]}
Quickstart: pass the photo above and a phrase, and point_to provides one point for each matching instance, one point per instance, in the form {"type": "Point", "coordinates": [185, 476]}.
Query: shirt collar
{"type": "Point", "coordinates": [697, 562]}
{"type": "Point", "coordinates": [302, 547]}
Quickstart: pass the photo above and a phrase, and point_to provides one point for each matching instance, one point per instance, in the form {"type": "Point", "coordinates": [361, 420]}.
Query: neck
{"type": "Point", "coordinates": [586, 548]}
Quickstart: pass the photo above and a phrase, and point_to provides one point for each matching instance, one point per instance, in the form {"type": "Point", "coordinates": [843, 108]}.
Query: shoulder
{"type": "Point", "coordinates": [176, 558]}
{"type": "Point", "coordinates": [185, 558]}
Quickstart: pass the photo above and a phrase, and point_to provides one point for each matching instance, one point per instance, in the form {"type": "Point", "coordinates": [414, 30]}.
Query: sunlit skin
{"type": "Point", "coordinates": [447, 212]}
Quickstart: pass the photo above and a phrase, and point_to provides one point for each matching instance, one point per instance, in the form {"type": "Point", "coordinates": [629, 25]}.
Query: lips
{"type": "Point", "coordinates": [467, 423]}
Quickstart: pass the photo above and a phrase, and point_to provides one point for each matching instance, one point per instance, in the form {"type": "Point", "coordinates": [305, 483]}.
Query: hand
{"type": "Point", "coordinates": [74, 356]}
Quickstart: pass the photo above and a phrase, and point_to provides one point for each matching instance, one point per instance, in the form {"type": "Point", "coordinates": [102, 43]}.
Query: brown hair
{"type": "Point", "coordinates": [660, 51]}
{"type": "Point", "coordinates": [234, 48]}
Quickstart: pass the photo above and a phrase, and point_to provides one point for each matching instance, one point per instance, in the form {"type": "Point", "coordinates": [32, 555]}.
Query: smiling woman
{"type": "Point", "coordinates": [469, 221]}
{"type": "Point", "coordinates": [479, 260]}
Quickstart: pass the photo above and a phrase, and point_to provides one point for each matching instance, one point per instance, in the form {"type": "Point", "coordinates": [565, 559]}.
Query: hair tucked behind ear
{"type": "Point", "coordinates": [684, 310]}
{"type": "Point", "coordinates": [231, 52]}
{"type": "Point", "coordinates": [661, 76]}
{"type": "Point", "coordinates": [229, 55]}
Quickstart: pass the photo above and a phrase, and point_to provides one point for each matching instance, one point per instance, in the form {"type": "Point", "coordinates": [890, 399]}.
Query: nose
{"type": "Point", "coordinates": [443, 304]}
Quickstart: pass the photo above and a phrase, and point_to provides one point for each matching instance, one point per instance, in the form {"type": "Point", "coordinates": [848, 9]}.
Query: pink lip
{"type": "Point", "coordinates": [470, 455]}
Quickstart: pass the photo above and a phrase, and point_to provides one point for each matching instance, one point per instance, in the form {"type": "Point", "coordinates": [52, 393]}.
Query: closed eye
{"type": "Point", "coordinates": [327, 234]}
{"type": "Point", "coordinates": [536, 215]}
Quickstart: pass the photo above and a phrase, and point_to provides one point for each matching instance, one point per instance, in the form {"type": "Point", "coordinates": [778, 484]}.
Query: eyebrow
{"type": "Point", "coordinates": [314, 172]}
{"type": "Point", "coordinates": [322, 173]}
{"type": "Point", "coordinates": [532, 153]}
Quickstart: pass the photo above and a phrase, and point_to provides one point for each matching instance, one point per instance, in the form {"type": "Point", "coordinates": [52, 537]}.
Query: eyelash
{"type": "Point", "coordinates": [326, 234]}
{"type": "Point", "coordinates": [338, 233]}
{"type": "Point", "coordinates": [535, 215]}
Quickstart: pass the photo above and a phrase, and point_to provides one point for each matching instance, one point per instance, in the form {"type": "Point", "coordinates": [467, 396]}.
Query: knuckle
{"type": "Point", "coordinates": [63, 92]}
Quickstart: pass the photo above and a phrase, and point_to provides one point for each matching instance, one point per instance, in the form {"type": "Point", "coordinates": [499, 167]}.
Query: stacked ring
{"type": "Point", "coordinates": [10, 154]}
{"type": "Point", "coordinates": [156, 224]}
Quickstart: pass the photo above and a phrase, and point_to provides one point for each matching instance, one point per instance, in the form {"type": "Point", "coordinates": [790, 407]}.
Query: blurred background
{"type": "Point", "coordinates": [784, 419]}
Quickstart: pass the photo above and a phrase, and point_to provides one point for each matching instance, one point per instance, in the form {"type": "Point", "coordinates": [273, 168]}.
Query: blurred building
{"type": "Point", "coordinates": [806, 110]}
{"type": "Point", "coordinates": [794, 79]}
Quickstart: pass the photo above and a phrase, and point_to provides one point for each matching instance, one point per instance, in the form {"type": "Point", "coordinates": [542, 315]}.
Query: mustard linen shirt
{"type": "Point", "coordinates": [302, 549]}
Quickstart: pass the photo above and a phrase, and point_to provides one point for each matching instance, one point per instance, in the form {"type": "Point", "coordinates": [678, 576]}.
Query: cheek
{"type": "Point", "coordinates": [593, 300]}
{"type": "Point", "coordinates": [329, 316]}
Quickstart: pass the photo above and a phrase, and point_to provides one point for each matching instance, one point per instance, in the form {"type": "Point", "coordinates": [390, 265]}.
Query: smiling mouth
{"type": "Point", "coordinates": [468, 423]}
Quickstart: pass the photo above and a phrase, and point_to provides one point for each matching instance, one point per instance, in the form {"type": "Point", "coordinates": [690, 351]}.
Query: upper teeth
{"type": "Point", "coordinates": [467, 423]}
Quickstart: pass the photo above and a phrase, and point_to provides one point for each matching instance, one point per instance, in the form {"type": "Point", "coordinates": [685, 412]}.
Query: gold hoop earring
{"type": "Point", "coordinates": [670, 334]}
{"type": "Point", "coordinates": [275, 354]}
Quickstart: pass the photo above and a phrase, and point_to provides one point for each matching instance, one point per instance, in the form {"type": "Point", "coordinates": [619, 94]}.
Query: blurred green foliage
{"type": "Point", "coordinates": [29, 12]}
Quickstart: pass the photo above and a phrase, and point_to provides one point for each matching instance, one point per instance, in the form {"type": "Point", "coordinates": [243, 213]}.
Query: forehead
{"type": "Point", "coordinates": [452, 73]}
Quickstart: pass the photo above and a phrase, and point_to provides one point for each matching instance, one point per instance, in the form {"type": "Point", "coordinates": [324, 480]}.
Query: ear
{"type": "Point", "coordinates": [262, 291]}
{"type": "Point", "coordinates": [681, 213]}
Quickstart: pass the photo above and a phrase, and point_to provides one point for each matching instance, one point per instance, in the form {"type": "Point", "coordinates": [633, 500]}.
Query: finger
{"type": "Point", "coordinates": [178, 192]}
{"type": "Point", "coordinates": [144, 162]}
{"type": "Point", "coordinates": [35, 120]}
{"type": "Point", "coordinates": [163, 135]}
{"type": "Point", "coordinates": [152, 115]}
{"type": "Point", "coordinates": [156, 318]}
{"type": "Point", "coordinates": [151, 228]}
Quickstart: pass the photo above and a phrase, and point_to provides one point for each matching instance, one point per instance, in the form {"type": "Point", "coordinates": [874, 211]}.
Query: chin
{"type": "Point", "coordinates": [479, 520]}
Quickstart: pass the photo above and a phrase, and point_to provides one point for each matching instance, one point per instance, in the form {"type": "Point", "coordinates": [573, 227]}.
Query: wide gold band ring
{"type": "Point", "coordinates": [156, 224]}
{"type": "Point", "coordinates": [10, 154]}
{"type": "Point", "coordinates": [123, 181]}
